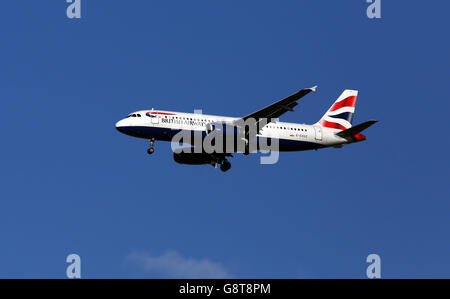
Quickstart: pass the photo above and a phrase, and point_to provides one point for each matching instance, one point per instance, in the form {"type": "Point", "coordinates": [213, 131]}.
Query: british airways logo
{"type": "Point", "coordinates": [340, 115]}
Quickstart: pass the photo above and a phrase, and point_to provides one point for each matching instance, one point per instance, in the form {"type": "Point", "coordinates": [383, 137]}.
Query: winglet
{"type": "Point", "coordinates": [314, 89]}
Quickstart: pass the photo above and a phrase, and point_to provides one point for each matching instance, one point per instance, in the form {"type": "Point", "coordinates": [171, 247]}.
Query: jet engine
{"type": "Point", "coordinates": [202, 159]}
{"type": "Point", "coordinates": [193, 158]}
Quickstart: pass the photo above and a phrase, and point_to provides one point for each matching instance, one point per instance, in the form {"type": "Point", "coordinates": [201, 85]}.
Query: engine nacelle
{"type": "Point", "coordinates": [193, 158]}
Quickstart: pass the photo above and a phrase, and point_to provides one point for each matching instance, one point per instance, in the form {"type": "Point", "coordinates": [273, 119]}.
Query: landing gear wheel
{"type": "Point", "coordinates": [247, 148]}
{"type": "Point", "coordinates": [151, 150]}
{"type": "Point", "coordinates": [225, 166]}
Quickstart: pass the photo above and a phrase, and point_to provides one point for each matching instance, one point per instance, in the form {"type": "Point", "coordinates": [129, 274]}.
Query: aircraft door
{"type": "Point", "coordinates": [155, 119]}
{"type": "Point", "coordinates": [318, 131]}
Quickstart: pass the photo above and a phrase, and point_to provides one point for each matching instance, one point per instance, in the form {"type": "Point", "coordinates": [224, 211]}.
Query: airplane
{"type": "Point", "coordinates": [334, 129]}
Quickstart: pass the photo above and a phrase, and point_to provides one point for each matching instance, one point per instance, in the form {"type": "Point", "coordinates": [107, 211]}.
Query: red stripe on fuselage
{"type": "Point", "coordinates": [162, 113]}
{"type": "Point", "coordinates": [348, 102]}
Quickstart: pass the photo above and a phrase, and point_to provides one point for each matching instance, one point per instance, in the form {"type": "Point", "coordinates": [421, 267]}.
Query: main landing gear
{"type": "Point", "coordinates": [225, 166]}
{"type": "Point", "coordinates": [151, 150]}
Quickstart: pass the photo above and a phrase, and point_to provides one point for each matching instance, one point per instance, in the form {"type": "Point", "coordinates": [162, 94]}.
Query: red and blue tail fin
{"type": "Point", "coordinates": [340, 115]}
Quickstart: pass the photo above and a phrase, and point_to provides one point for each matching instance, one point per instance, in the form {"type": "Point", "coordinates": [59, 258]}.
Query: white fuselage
{"type": "Point", "coordinates": [163, 125]}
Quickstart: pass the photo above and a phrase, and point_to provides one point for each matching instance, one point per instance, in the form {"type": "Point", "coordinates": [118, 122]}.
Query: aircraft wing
{"type": "Point", "coordinates": [280, 107]}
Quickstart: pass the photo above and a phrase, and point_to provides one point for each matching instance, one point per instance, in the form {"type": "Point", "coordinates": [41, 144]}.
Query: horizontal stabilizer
{"type": "Point", "coordinates": [350, 133]}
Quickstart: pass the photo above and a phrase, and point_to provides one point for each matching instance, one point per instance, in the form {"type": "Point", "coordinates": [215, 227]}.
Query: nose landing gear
{"type": "Point", "coordinates": [151, 150]}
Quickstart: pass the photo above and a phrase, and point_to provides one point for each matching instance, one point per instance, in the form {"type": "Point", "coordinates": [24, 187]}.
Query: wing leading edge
{"type": "Point", "coordinates": [279, 108]}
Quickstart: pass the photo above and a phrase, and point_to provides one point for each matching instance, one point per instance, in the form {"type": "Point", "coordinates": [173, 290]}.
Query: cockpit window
{"type": "Point", "coordinates": [134, 115]}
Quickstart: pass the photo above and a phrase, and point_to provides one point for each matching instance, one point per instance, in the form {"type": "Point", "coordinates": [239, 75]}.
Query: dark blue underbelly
{"type": "Point", "coordinates": [165, 134]}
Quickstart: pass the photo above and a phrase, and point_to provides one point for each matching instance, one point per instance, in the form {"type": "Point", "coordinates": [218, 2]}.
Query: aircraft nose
{"type": "Point", "coordinates": [120, 125]}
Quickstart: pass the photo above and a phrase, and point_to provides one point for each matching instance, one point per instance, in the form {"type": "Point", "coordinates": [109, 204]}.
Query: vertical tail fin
{"type": "Point", "coordinates": [340, 115]}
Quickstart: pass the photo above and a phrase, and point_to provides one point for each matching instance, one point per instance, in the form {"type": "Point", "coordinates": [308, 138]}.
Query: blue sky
{"type": "Point", "coordinates": [70, 183]}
